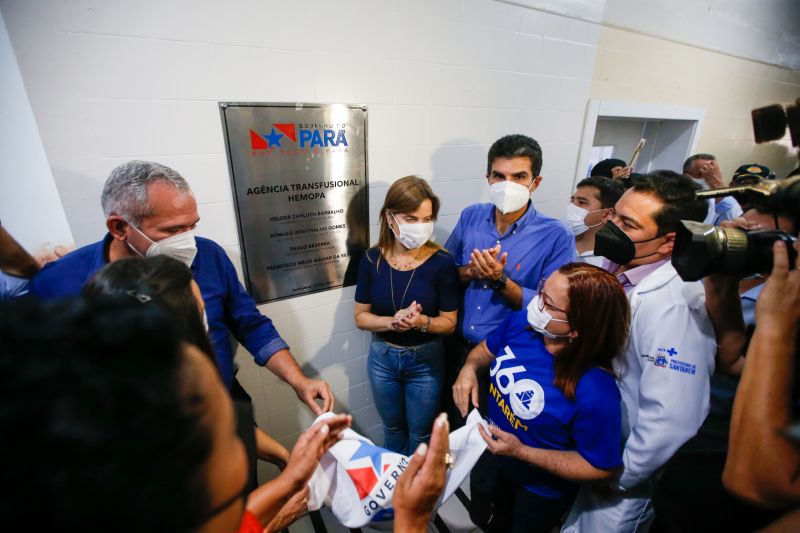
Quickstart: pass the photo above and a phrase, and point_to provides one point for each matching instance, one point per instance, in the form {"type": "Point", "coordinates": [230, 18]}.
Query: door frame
{"type": "Point", "coordinates": [597, 109]}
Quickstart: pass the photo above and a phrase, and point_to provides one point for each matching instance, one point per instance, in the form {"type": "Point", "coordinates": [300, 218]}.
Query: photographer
{"type": "Point", "coordinates": [763, 406]}
{"type": "Point", "coordinates": [690, 495]}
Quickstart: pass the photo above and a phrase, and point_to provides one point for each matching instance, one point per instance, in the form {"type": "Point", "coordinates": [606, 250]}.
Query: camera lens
{"type": "Point", "coordinates": [701, 249]}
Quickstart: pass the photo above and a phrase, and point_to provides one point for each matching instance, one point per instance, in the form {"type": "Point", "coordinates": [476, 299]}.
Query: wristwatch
{"type": "Point", "coordinates": [500, 284]}
{"type": "Point", "coordinates": [424, 329]}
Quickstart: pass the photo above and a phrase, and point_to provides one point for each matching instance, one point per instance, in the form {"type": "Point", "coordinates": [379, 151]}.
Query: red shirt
{"type": "Point", "coordinates": [250, 523]}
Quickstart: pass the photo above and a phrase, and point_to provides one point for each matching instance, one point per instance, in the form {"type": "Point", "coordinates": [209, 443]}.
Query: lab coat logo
{"type": "Point", "coordinates": [526, 399]}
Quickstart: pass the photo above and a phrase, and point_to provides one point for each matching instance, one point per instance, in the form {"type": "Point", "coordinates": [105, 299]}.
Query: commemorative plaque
{"type": "Point", "coordinates": [299, 180]}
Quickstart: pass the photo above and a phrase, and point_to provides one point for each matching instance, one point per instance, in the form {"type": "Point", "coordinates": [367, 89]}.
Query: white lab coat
{"type": "Point", "coordinates": [664, 379]}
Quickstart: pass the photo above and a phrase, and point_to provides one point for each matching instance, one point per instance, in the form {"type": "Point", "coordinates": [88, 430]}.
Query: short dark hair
{"type": "Point", "coordinates": [516, 145]}
{"type": "Point", "coordinates": [677, 193]}
{"type": "Point", "coordinates": [692, 158]}
{"type": "Point", "coordinates": [162, 279]}
{"type": "Point", "coordinates": [603, 168]}
{"type": "Point", "coordinates": [100, 418]}
{"type": "Point", "coordinates": [610, 190]}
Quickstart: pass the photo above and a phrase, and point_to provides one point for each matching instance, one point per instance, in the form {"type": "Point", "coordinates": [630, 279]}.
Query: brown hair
{"type": "Point", "coordinates": [405, 196]}
{"type": "Point", "coordinates": [599, 311]}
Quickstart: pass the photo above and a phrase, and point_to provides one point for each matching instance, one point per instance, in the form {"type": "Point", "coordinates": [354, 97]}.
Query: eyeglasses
{"type": "Point", "coordinates": [543, 303]}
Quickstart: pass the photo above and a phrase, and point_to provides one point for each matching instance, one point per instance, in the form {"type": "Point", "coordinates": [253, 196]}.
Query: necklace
{"type": "Point", "coordinates": [393, 262]}
{"type": "Point", "coordinates": [391, 287]}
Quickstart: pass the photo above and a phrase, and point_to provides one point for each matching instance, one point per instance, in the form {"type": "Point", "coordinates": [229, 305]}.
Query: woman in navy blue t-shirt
{"type": "Point", "coordinates": [407, 295]}
{"type": "Point", "coordinates": [554, 407]}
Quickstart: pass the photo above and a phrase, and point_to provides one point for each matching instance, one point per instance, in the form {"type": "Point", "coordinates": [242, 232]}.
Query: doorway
{"type": "Point", "coordinates": [613, 129]}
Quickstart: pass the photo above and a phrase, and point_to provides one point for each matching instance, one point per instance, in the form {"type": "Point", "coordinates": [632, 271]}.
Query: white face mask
{"type": "Point", "coordinates": [576, 217]}
{"type": "Point", "coordinates": [205, 320]}
{"type": "Point", "coordinates": [413, 235]}
{"type": "Point", "coordinates": [701, 182]}
{"type": "Point", "coordinates": [180, 246]}
{"type": "Point", "coordinates": [508, 196]}
{"type": "Point", "coordinates": [540, 318]}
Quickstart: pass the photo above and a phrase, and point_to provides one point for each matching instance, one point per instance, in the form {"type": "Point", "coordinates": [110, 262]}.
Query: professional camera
{"type": "Point", "coordinates": [768, 196]}
{"type": "Point", "coordinates": [701, 249]}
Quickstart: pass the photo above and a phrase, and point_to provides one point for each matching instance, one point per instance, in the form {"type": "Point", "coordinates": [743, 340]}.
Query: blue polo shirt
{"type": "Point", "coordinates": [536, 245]}
{"type": "Point", "coordinates": [524, 401]}
{"type": "Point", "coordinates": [230, 310]}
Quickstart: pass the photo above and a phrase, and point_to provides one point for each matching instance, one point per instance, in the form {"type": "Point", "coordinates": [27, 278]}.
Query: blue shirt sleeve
{"type": "Point", "coordinates": [597, 428]}
{"type": "Point", "coordinates": [12, 286]}
{"type": "Point", "coordinates": [563, 252]}
{"type": "Point", "coordinates": [512, 325]}
{"type": "Point", "coordinates": [447, 284]}
{"type": "Point", "coordinates": [727, 209]}
{"type": "Point", "coordinates": [455, 242]}
{"type": "Point", "coordinates": [364, 283]}
{"type": "Point", "coordinates": [251, 328]}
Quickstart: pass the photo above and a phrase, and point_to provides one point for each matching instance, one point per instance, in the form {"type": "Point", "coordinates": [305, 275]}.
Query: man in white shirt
{"type": "Point", "coordinates": [664, 371]}
{"type": "Point", "coordinates": [589, 209]}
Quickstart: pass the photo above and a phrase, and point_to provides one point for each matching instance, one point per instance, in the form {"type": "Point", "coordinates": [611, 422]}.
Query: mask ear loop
{"type": "Point", "coordinates": [604, 216]}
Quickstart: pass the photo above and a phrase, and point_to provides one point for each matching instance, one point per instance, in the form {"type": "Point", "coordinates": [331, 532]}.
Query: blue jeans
{"type": "Point", "coordinates": [406, 384]}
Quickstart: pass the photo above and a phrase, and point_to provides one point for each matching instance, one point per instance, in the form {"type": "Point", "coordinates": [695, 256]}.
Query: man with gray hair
{"type": "Point", "coordinates": [704, 171]}
{"type": "Point", "coordinates": [150, 210]}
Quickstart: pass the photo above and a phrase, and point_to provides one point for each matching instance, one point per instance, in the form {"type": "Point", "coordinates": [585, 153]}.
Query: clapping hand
{"type": "Point", "coordinates": [488, 263]}
{"type": "Point", "coordinates": [405, 319]}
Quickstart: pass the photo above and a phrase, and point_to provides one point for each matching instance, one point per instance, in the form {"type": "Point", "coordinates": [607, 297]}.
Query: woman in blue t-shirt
{"type": "Point", "coordinates": [407, 295]}
{"type": "Point", "coordinates": [553, 406]}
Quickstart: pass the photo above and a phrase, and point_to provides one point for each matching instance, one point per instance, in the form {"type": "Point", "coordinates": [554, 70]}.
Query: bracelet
{"type": "Point", "coordinates": [500, 284]}
{"type": "Point", "coordinates": [424, 329]}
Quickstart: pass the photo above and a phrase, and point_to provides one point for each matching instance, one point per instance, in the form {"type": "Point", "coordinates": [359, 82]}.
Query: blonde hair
{"type": "Point", "coordinates": [405, 196]}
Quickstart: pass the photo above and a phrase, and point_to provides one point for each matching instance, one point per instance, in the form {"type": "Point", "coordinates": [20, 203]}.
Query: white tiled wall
{"type": "Point", "coordinates": [114, 80]}
{"type": "Point", "coordinates": [111, 80]}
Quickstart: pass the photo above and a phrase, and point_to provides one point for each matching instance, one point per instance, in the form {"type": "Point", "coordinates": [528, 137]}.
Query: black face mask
{"type": "Point", "coordinates": [615, 245]}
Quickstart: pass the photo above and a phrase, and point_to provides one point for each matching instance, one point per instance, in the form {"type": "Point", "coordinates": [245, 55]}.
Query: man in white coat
{"type": "Point", "coordinates": [664, 371]}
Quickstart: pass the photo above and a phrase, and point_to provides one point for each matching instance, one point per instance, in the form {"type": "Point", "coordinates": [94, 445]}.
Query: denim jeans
{"type": "Point", "coordinates": [406, 384]}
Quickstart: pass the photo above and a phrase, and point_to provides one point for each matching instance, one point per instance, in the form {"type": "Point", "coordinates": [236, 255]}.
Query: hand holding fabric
{"type": "Point", "coordinates": [501, 442]}
{"type": "Point", "coordinates": [308, 390]}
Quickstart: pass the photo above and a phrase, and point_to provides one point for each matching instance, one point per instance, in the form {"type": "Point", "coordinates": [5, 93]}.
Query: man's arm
{"type": "Point", "coordinates": [14, 260]}
{"type": "Point", "coordinates": [257, 333]}
{"type": "Point", "coordinates": [673, 396]}
{"type": "Point", "coordinates": [762, 466]}
{"type": "Point", "coordinates": [283, 365]}
{"type": "Point", "coordinates": [455, 245]}
{"type": "Point", "coordinates": [724, 307]}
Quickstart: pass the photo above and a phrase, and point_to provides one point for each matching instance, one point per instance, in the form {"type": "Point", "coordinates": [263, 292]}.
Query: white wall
{"type": "Point", "coordinates": [765, 30]}
{"type": "Point", "coordinates": [110, 80]}
{"type": "Point", "coordinates": [30, 208]}
{"type": "Point", "coordinates": [114, 80]}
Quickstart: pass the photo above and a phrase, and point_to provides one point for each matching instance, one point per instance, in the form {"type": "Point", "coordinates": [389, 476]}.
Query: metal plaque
{"type": "Point", "coordinates": [299, 179]}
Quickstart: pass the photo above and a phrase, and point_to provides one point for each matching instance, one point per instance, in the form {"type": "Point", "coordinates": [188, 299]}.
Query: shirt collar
{"type": "Point", "coordinates": [529, 215]}
{"type": "Point", "coordinates": [632, 277]}
{"type": "Point", "coordinates": [752, 293]}
{"type": "Point", "coordinates": [101, 255]}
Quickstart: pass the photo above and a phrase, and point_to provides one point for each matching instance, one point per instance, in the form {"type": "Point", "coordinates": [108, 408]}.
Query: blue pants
{"type": "Point", "coordinates": [406, 384]}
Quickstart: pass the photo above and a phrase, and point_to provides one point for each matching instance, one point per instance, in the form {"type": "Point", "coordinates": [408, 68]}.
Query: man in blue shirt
{"type": "Point", "coordinates": [151, 210]}
{"type": "Point", "coordinates": [504, 248]}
